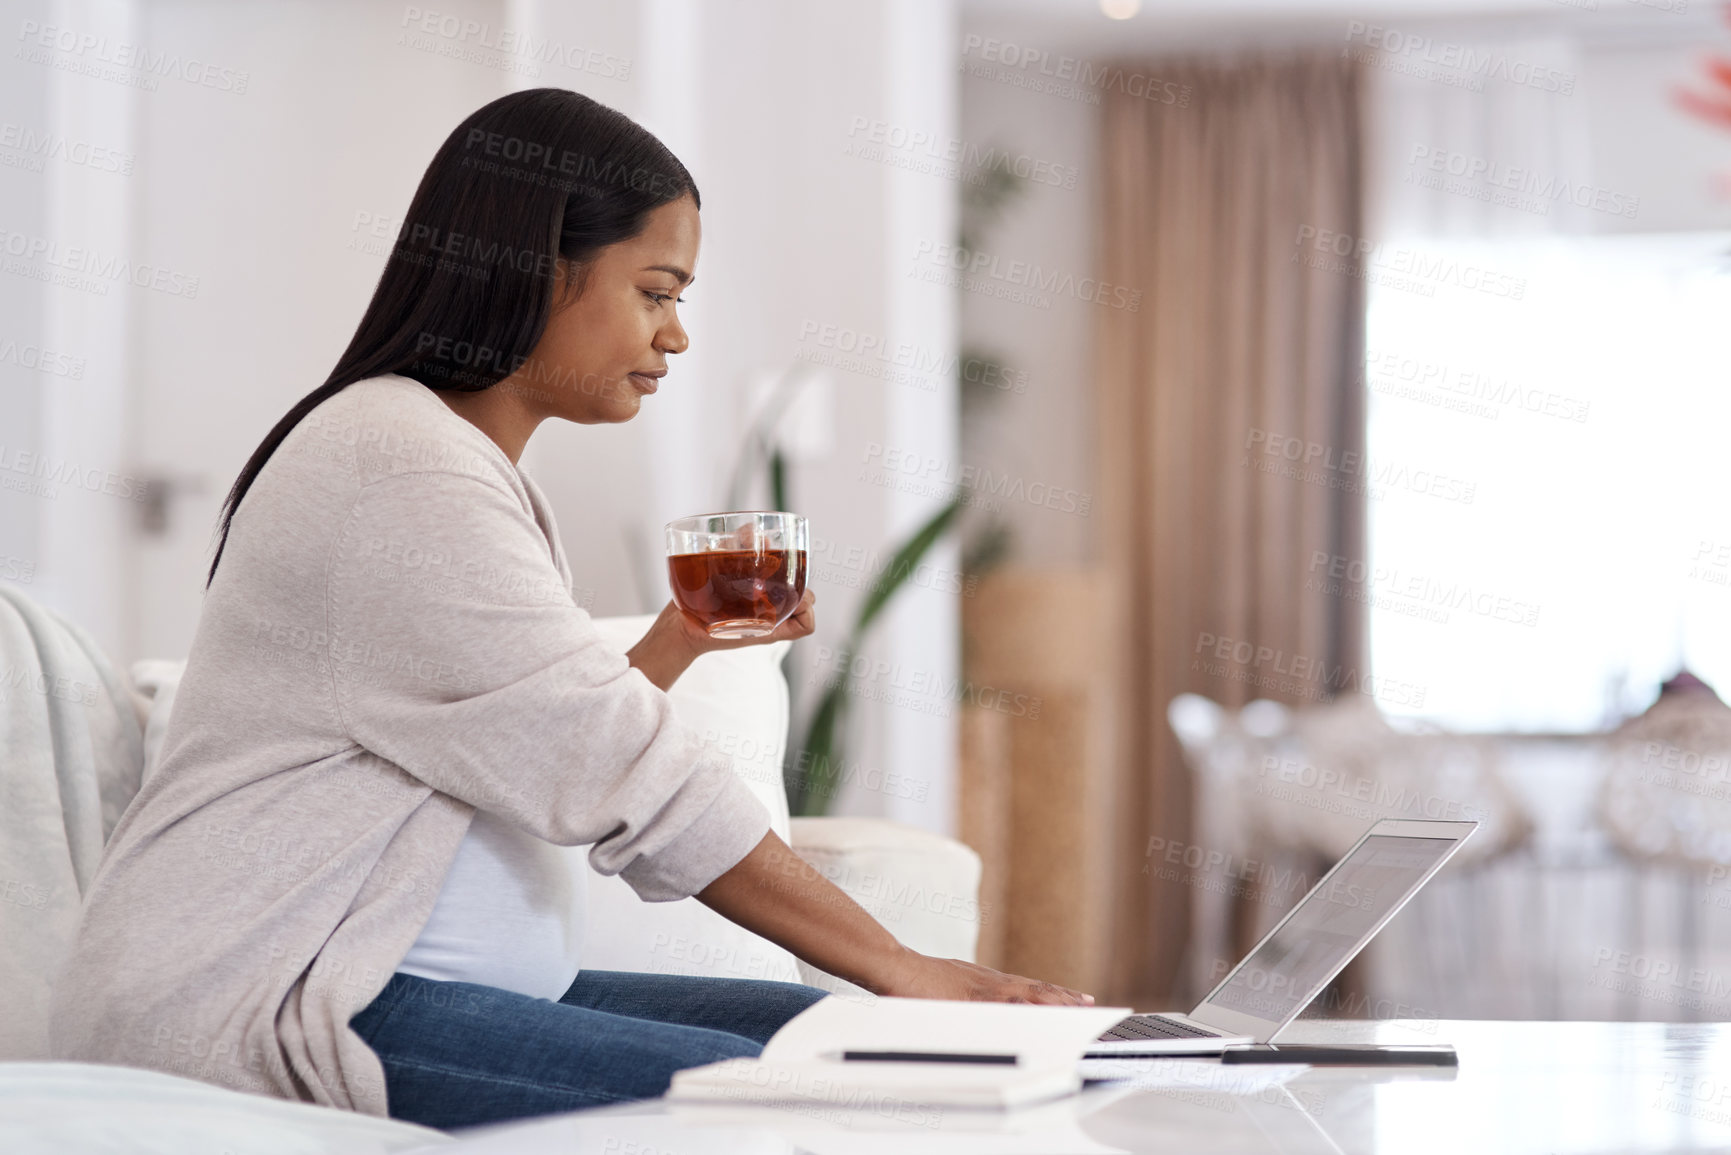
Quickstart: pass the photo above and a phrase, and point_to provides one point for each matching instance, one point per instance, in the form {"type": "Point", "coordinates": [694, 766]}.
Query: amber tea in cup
{"type": "Point", "coordinates": [741, 574]}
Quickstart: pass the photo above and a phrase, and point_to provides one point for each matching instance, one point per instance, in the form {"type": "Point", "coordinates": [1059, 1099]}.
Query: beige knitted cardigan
{"type": "Point", "coordinates": [389, 644]}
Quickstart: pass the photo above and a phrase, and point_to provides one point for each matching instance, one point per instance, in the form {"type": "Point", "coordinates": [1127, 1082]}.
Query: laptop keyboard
{"type": "Point", "coordinates": [1139, 1028]}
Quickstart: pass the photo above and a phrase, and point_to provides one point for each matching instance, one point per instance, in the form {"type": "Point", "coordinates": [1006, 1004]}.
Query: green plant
{"type": "Point", "coordinates": [811, 773]}
{"type": "Point", "coordinates": [813, 766]}
{"type": "Point", "coordinates": [985, 199]}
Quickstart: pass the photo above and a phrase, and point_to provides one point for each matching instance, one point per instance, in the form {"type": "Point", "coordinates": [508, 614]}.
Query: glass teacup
{"type": "Point", "coordinates": [741, 574]}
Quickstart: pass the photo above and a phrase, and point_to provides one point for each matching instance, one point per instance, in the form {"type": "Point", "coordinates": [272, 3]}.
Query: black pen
{"type": "Point", "coordinates": [925, 1057]}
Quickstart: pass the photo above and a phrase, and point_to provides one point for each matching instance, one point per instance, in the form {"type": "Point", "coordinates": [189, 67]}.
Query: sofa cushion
{"type": "Point", "coordinates": [158, 680]}
{"type": "Point", "coordinates": [70, 753]}
{"type": "Point", "coordinates": [738, 701]}
{"type": "Point", "coordinates": [93, 1109]}
{"type": "Point", "coordinates": [924, 888]}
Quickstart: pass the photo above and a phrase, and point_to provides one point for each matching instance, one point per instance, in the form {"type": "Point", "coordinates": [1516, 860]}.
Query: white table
{"type": "Point", "coordinates": [1537, 1087]}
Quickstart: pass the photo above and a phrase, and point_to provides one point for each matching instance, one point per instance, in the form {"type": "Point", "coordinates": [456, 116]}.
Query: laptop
{"type": "Point", "coordinates": [1305, 950]}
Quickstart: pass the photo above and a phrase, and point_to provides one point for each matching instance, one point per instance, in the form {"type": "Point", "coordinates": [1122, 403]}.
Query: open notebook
{"type": "Point", "coordinates": [912, 1054]}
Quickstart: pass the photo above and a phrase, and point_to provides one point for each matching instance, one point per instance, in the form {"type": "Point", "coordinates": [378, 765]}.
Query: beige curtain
{"type": "Point", "coordinates": [1246, 338]}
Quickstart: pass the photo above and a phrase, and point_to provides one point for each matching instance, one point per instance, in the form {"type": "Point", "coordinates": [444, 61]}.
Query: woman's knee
{"type": "Point", "coordinates": [783, 998]}
{"type": "Point", "coordinates": [771, 1006]}
{"type": "Point", "coordinates": [804, 996]}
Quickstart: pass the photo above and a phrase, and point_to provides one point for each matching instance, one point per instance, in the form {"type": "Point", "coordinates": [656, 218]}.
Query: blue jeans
{"type": "Point", "coordinates": [461, 1054]}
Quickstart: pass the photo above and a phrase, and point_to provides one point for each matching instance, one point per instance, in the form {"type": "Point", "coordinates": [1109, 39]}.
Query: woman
{"type": "Point", "coordinates": [341, 883]}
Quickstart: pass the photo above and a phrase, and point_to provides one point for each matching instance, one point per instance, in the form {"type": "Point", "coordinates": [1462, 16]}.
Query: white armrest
{"type": "Point", "coordinates": [924, 888]}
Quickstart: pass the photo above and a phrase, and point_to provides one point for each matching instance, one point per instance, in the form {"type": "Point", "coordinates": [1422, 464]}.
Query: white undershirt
{"type": "Point", "coordinates": [510, 915]}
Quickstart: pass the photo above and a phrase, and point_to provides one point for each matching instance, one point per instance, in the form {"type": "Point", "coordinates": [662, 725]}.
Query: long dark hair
{"type": "Point", "coordinates": [528, 184]}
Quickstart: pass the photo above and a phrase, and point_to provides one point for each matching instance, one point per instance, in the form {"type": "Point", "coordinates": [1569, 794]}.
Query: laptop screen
{"type": "Point", "coordinates": [1296, 961]}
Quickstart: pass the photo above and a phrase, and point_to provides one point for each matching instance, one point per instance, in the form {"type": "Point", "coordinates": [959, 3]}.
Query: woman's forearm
{"type": "Point", "coordinates": [677, 639]}
{"type": "Point", "coordinates": [777, 894]}
{"type": "Point", "coordinates": [657, 664]}
{"type": "Point", "coordinates": [665, 652]}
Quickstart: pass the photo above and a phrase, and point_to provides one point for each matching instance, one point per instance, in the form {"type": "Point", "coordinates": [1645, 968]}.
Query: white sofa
{"type": "Point", "coordinates": [922, 886]}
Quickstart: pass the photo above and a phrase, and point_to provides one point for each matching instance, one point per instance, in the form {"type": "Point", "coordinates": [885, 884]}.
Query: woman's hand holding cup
{"type": "Point", "coordinates": [738, 580]}
{"type": "Point", "coordinates": [696, 638]}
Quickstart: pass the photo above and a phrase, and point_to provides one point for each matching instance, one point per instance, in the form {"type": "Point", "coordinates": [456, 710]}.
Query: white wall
{"type": "Point", "coordinates": [27, 108]}
{"type": "Point", "coordinates": [258, 194]}
{"type": "Point", "coordinates": [68, 300]}
{"type": "Point", "coordinates": [266, 197]}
